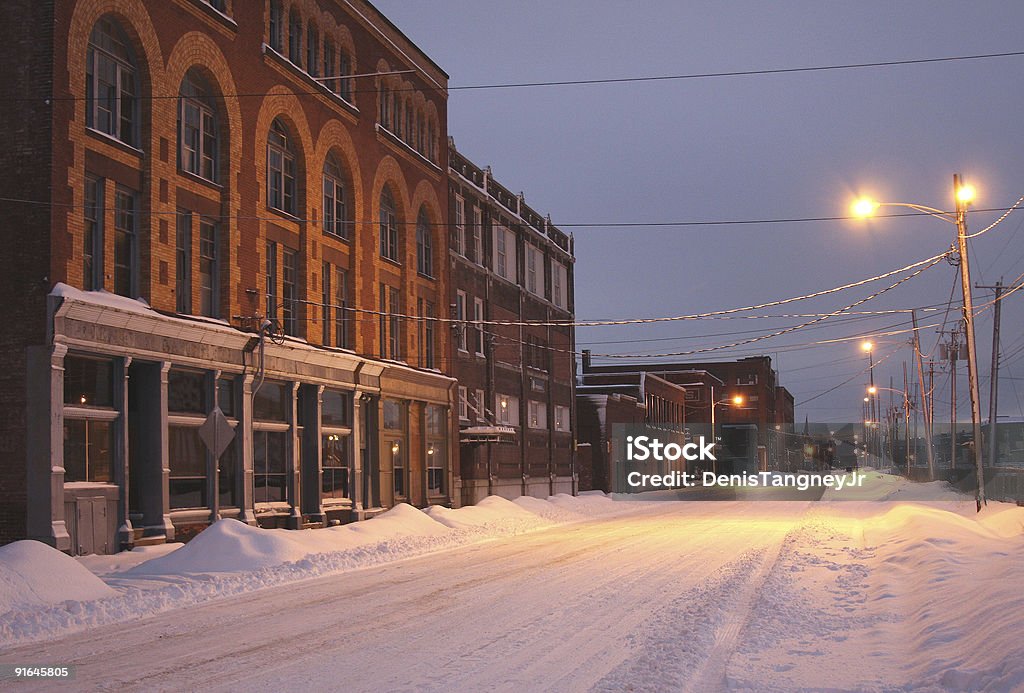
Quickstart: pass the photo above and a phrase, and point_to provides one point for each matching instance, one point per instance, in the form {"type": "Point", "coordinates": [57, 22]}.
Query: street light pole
{"type": "Point", "coordinates": [962, 200]}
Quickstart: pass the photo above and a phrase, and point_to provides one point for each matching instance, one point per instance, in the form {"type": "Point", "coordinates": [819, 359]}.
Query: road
{"type": "Point", "coordinates": [602, 604]}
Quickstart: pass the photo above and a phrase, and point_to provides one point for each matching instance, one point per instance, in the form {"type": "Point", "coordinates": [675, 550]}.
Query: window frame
{"type": "Point", "coordinates": [281, 170]}
{"type": "Point", "coordinates": [123, 109]}
{"type": "Point", "coordinates": [388, 226]}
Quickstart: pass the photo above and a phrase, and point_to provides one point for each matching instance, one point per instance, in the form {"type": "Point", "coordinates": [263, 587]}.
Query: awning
{"type": "Point", "coordinates": [488, 434]}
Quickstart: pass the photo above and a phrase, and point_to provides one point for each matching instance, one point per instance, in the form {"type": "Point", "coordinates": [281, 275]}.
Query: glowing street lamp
{"type": "Point", "coordinates": [963, 195]}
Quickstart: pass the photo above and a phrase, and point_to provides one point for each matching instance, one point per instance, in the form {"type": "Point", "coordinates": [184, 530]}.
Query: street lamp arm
{"type": "Point", "coordinates": [930, 211]}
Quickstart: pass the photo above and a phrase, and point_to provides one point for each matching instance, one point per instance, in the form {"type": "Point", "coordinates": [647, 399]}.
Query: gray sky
{"type": "Point", "coordinates": [751, 147]}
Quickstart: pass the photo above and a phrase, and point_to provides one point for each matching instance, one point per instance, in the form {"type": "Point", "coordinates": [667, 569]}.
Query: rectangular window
{"type": "Point", "coordinates": [460, 315]}
{"type": "Point", "coordinates": [183, 262]}
{"type": "Point", "coordinates": [398, 467]}
{"type": "Point", "coordinates": [276, 28]}
{"type": "Point", "coordinates": [92, 240]}
{"type": "Point", "coordinates": [341, 318]}
{"type": "Point", "coordinates": [271, 286]}
{"type": "Point", "coordinates": [312, 50]}
{"type": "Point", "coordinates": [383, 320]}
{"type": "Point", "coordinates": [345, 84]}
{"type": "Point", "coordinates": [460, 225]}
{"type": "Point", "coordinates": [429, 329]}
{"type": "Point", "coordinates": [209, 268]}
{"type": "Point", "coordinates": [561, 418]}
{"type": "Point", "coordinates": [334, 480]}
{"type": "Point", "coordinates": [271, 402]}
{"type": "Point", "coordinates": [478, 317]}
{"type": "Point", "coordinates": [463, 404]}
{"type": "Point", "coordinates": [395, 344]}
{"type": "Point", "coordinates": [436, 451]}
{"type": "Point", "coordinates": [270, 466]}
{"type": "Point", "coordinates": [559, 284]}
{"type": "Point", "coordinates": [481, 406]}
{"type": "Point", "coordinates": [538, 413]}
{"type": "Point", "coordinates": [504, 253]}
{"type": "Point", "coordinates": [506, 410]}
{"type": "Point", "coordinates": [186, 392]}
{"type": "Point", "coordinates": [326, 297]}
{"type": "Point", "coordinates": [478, 236]}
{"type": "Point", "coordinates": [290, 291]}
{"type": "Point", "coordinates": [295, 38]}
{"type": "Point", "coordinates": [534, 270]}
{"type": "Point", "coordinates": [187, 462]}
{"type": "Point", "coordinates": [88, 382]}
{"type": "Point", "coordinates": [329, 63]}
{"type": "Point", "coordinates": [88, 449]}
{"type": "Point", "coordinates": [226, 396]}
{"type": "Point", "coordinates": [125, 242]}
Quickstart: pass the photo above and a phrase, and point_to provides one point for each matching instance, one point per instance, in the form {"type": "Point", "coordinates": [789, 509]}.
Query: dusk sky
{"type": "Point", "coordinates": [759, 147]}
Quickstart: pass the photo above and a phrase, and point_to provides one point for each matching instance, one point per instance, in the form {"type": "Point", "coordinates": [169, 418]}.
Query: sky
{"type": "Point", "coordinates": [757, 147]}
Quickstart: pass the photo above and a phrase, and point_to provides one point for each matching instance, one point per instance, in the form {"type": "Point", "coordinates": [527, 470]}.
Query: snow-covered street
{"type": "Point", "coordinates": [699, 596]}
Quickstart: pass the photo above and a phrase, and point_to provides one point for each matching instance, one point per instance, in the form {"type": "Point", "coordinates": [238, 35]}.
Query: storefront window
{"type": "Point", "coordinates": [88, 382]}
{"type": "Point", "coordinates": [87, 450]}
{"type": "Point", "coordinates": [187, 462]}
{"type": "Point", "coordinates": [335, 466]}
{"type": "Point", "coordinates": [270, 466]}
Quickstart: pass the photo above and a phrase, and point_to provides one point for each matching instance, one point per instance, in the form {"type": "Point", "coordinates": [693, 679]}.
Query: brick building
{"type": "Point", "coordinates": [269, 178]}
{"type": "Point", "coordinates": [516, 382]}
{"type": "Point", "coordinates": [713, 384]}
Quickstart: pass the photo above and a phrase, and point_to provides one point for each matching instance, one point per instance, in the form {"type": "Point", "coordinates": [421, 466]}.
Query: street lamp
{"type": "Point", "coordinates": [873, 402]}
{"type": "Point", "coordinates": [963, 195]}
{"type": "Point", "coordinates": [735, 400]}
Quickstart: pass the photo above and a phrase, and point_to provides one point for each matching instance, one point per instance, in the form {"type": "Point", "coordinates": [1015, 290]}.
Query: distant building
{"type": "Point", "coordinates": [710, 384]}
{"type": "Point", "coordinates": [515, 382]}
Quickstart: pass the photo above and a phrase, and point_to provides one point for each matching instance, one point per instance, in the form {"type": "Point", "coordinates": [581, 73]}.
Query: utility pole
{"type": "Point", "coordinates": [993, 395]}
{"type": "Point", "coordinates": [906, 419]}
{"type": "Point", "coordinates": [962, 201]}
{"type": "Point", "coordinates": [920, 380]}
{"type": "Point", "coordinates": [951, 349]}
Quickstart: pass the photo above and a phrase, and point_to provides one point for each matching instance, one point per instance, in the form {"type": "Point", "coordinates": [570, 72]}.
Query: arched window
{"type": "Point", "coordinates": [388, 226]}
{"type": "Point", "coordinates": [197, 129]}
{"type": "Point", "coordinates": [424, 255]}
{"type": "Point", "coordinates": [295, 37]}
{"type": "Point", "coordinates": [111, 83]}
{"type": "Point", "coordinates": [280, 169]}
{"type": "Point", "coordinates": [336, 220]}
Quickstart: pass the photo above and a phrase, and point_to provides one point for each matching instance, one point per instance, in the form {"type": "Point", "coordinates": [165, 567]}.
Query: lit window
{"type": "Point", "coordinates": [460, 225]}
{"type": "Point", "coordinates": [538, 414]}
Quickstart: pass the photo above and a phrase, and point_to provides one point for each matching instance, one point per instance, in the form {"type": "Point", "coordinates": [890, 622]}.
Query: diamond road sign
{"type": "Point", "coordinates": [216, 432]}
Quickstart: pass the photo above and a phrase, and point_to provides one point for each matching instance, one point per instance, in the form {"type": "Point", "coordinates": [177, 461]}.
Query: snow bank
{"type": "Point", "coordinates": [33, 574]}
{"type": "Point", "coordinates": [493, 513]}
{"type": "Point", "coordinates": [225, 546]}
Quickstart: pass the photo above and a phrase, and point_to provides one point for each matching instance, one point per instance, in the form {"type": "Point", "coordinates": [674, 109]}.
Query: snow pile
{"type": "Point", "coordinates": [225, 546]}
{"type": "Point", "coordinates": [498, 515]}
{"type": "Point", "coordinates": [33, 574]}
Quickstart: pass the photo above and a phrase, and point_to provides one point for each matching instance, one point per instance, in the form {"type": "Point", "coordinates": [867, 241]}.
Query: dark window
{"type": "Point", "coordinates": [290, 291]}
{"type": "Point", "coordinates": [226, 396]}
{"type": "Point", "coordinates": [276, 26]}
{"type": "Point", "coordinates": [186, 392]}
{"type": "Point", "coordinates": [87, 450]}
{"type": "Point", "coordinates": [329, 63]}
{"type": "Point", "coordinates": [186, 457]}
{"type": "Point", "coordinates": [424, 252]}
{"type": "Point", "coordinates": [383, 321]}
{"type": "Point", "coordinates": [280, 170]}
{"type": "Point", "coordinates": [392, 415]}
{"type": "Point", "coordinates": [334, 296]}
{"type": "Point", "coordinates": [336, 220]}
{"type": "Point", "coordinates": [388, 226]}
{"type": "Point", "coordinates": [312, 50]}
{"type": "Point", "coordinates": [398, 465]}
{"type": "Point", "coordinates": [435, 421]}
{"type": "Point", "coordinates": [429, 330]}
{"type": "Point", "coordinates": [295, 37]}
{"type": "Point", "coordinates": [92, 241]}
{"type": "Point", "coordinates": [269, 466]}
{"type": "Point", "coordinates": [125, 242]}
{"type": "Point", "coordinates": [227, 482]}
{"type": "Point", "coordinates": [271, 275]}
{"type": "Point", "coordinates": [183, 262]}
{"type": "Point", "coordinates": [334, 408]}
{"type": "Point", "coordinates": [110, 83]}
{"type": "Point", "coordinates": [88, 382]}
{"type": "Point", "coordinates": [345, 89]}
{"type": "Point", "coordinates": [272, 402]}
{"type": "Point", "coordinates": [395, 343]}
{"type": "Point", "coordinates": [197, 130]}
{"type": "Point", "coordinates": [209, 268]}
{"type": "Point", "coordinates": [335, 466]}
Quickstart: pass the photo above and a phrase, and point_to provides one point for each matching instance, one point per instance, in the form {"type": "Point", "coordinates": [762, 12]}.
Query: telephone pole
{"type": "Point", "coordinates": [962, 200]}
{"type": "Point", "coordinates": [993, 395]}
{"type": "Point", "coordinates": [923, 399]}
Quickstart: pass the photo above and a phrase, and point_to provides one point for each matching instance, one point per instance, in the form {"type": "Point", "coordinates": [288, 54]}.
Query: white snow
{"type": "Point", "coordinates": [33, 575]}
{"type": "Point", "coordinates": [893, 586]}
